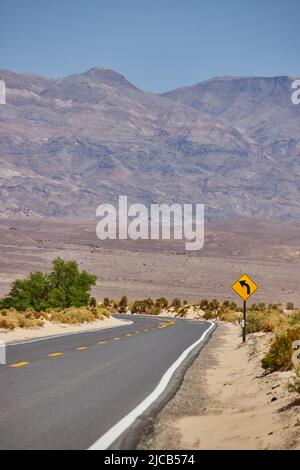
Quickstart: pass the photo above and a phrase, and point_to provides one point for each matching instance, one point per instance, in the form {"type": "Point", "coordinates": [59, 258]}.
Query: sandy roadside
{"type": "Point", "coordinates": [52, 329]}
{"type": "Point", "coordinates": [226, 403]}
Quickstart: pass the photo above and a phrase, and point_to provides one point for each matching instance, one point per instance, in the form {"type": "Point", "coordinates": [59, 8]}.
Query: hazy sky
{"type": "Point", "coordinates": [157, 44]}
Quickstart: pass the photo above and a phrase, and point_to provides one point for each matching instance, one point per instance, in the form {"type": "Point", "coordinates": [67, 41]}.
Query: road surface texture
{"type": "Point", "coordinates": [93, 390]}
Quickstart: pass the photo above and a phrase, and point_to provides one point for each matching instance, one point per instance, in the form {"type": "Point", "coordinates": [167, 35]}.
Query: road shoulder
{"type": "Point", "coordinates": [225, 402]}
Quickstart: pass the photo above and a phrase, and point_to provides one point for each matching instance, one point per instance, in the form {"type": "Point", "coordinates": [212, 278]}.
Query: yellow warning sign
{"type": "Point", "coordinates": [244, 287]}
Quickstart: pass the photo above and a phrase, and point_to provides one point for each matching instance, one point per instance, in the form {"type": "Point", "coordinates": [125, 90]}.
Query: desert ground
{"type": "Point", "coordinates": [269, 251]}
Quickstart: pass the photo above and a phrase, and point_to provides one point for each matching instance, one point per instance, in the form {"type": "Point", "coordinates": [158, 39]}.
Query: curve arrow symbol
{"type": "Point", "coordinates": [245, 284]}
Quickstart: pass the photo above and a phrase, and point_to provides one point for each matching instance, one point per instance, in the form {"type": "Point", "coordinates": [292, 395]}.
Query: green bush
{"type": "Point", "coordinates": [162, 303]}
{"type": "Point", "coordinates": [261, 307]}
{"type": "Point", "coordinates": [123, 304]}
{"type": "Point", "coordinates": [254, 321]}
{"type": "Point", "coordinates": [294, 318]}
{"type": "Point", "coordinates": [155, 311]}
{"type": "Point", "coordinates": [204, 304]}
{"type": "Point", "coordinates": [176, 303]}
{"type": "Point", "coordinates": [209, 314]}
{"type": "Point", "coordinates": [93, 302]}
{"type": "Point", "coordinates": [64, 286]}
{"type": "Point", "coordinates": [279, 356]}
{"type": "Point", "coordinates": [290, 306]}
{"type": "Point", "coordinates": [106, 302]}
{"type": "Point", "coordinates": [273, 307]}
{"type": "Point", "coordinates": [142, 306]}
{"type": "Point", "coordinates": [214, 304]}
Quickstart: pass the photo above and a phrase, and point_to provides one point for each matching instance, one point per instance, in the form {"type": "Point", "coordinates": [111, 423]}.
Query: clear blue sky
{"type": "Point", "coordinates": [157, 44]}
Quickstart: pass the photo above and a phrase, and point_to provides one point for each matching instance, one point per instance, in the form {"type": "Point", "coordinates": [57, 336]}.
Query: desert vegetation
{"type": "Point", "coordinates": [65, 286]}
{"type": "Point", "coordinates": [11, 319]}
{"type": "Point", "coordinates": [61, 296]}
{"type": "Point", "coordinates": [283, 325]}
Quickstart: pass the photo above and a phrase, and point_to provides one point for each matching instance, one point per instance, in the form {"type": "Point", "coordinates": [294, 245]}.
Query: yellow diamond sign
{"type": "Point", "coordinates": [244, 287]}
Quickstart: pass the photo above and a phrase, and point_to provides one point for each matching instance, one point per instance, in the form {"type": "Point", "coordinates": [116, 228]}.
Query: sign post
{"type": "Point", "coordinates": [244, 321]}
{"type": "Point", "coordinates": [244, 287]}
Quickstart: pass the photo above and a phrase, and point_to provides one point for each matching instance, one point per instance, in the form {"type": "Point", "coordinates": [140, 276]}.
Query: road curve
{"type": "Point", "coordinates": [89, 390]}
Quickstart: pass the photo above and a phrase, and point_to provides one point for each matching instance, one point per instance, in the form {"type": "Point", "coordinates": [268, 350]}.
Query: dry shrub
{"type": "Point", "coordinates": [79, 315]}
{"type": "Point", "coordinates": [73, 316]}
{"type": "Point", "coordinates": [274, 322]}
{"type": "Point", "coordinates": [11, 320]}
{"type": "Point", "coordinates": [229, 316]}
{"type": "Point", "coordinates": [209, 314]}
{"type": "Point", "coordinates": [8, 322]}
{"type": "Point", "coordinates": [182, 312]}
{"type": "Point", "coordinates": [32, 323]}
{"type": "Point", "coordinates": [103, 311]}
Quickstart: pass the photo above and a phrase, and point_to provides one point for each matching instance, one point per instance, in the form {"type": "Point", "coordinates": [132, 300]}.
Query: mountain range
{"type": "Point", "coordinates": [69, 144]}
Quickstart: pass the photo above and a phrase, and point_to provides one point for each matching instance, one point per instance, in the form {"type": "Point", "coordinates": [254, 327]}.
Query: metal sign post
{"type": "Point", "coordinates": [244, 322]}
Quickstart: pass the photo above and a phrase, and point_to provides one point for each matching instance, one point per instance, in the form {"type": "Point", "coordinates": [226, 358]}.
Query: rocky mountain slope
{"type": "Point", "coordinates": [69, 144]}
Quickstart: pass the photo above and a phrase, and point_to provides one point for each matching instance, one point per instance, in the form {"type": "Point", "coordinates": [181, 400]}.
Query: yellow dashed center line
{"type": "Point", "coordinates": [83, 348]}
{"type": "Point", "coordinates": [19, 364]}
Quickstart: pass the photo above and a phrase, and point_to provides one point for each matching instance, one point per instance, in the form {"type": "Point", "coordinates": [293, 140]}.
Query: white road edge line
{"type": "Point", "coordinates": [46, 338]}
{"type": "Point", "coordinates": [118, 429]}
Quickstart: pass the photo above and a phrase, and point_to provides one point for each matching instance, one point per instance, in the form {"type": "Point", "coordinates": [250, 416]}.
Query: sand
{"type": "Point", "coordinates": [53, 329]}
{"type": "Point", "coordinates": [241, 415]}
{"type": "Point", "coordinates": [226, 402]}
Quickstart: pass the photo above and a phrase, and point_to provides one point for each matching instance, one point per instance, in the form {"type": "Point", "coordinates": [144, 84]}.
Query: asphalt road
{"type": "Point", "coordinates": [67, 392]}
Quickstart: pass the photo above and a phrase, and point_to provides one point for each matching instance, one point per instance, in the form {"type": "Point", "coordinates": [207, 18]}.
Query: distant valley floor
{"type": "Point", "coordinates": [268, 251]}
